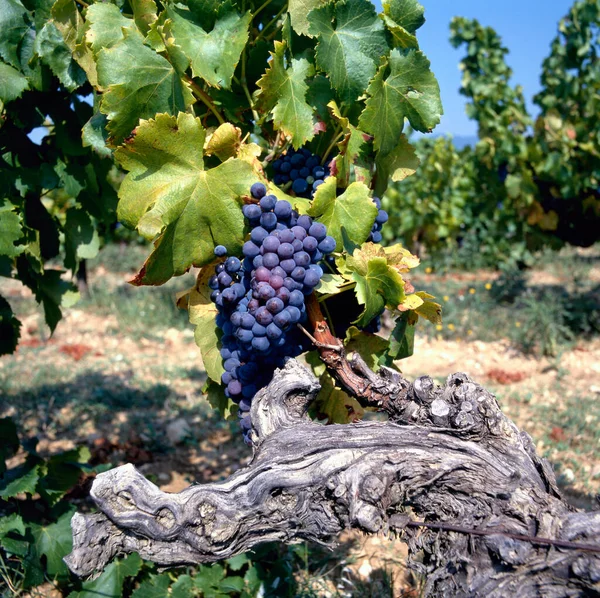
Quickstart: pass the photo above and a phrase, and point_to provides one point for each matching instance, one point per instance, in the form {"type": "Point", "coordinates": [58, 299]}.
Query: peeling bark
{"type": "Point", "coordinates": [448, 457]}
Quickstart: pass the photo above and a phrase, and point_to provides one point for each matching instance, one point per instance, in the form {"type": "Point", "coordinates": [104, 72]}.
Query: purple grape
{"type": "Point", "coordinates": [258, 190]}
{"type": "Point", "coordinates": [220, 251]}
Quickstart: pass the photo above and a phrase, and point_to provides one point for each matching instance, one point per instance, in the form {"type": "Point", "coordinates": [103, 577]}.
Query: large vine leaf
{"type": "Point", "coordinates": [283, 90]}
{"type": "Point", "coordinates": [404, 87]}
{"type": "Point", "coordinates": [70, 23]}
{"type": "Point", "coordinates": [10, 230]}
{"type": "Point", "coordinates": [378, 278]}
{"type": "Point", "coordinates": [53, 51]}
{"type": "Point", "coordinates": [54, 542]}
{"type": "Point", "coordinates": [351, 42]}
{"type": "Point", "coordinates": [168, 192]}
{"type": "Point", "coordinates": [12, 83]}
{"type": "Point", "coordinates": [14, 25]}
{"type": "Point", "coordinates": [212, 55]}
{"type": "Point", "coordinates": [398, 164]}
{"type": "Point", "coordinates": [140, 82]}
{"type": "Point", "coordinates": [402, 19]}
{"type": "Point", "coordinates": [349, 216]}
{"type": "Point", "coordinates": [105, 24]}
{"type": "Point", "coordinates": [110, 583]}
{"type": "Point", "coordinates": [299, 10]}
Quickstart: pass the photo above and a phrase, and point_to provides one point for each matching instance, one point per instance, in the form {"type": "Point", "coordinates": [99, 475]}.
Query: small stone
{"type": "Point", "coordinates": [178, 430]}
{"type": "Point", "coordinates": [365, 570]}
{"type": "Point", "coordinates": [568, 476]}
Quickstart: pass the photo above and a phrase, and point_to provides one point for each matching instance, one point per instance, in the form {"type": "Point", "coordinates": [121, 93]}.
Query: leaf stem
{"type": "Point", "coordinates": [335, 139]}
{"type": "Point", "coordinates": [244, 84]}
{"type": "Point", "coordinates": [205, 99]}
{"type": "Point", "coordinates": [273, 20]}
{"type": "Point", "coordinates": [260, 8]}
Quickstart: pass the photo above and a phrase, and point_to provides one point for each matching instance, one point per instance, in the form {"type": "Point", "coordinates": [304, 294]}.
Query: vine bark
{"type": "Point", "coordinates": [447, 456]}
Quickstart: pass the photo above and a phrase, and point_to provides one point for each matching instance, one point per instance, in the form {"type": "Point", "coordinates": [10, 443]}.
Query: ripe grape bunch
{"type": "Point", "coordinates": [303, 169]}
{"type": "Point", "coordinates": [261, 298]}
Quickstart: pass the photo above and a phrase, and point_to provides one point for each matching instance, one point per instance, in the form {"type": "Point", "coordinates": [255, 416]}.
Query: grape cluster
{"type": "Point", "coordinates": [303, 169]}
{"type": "Point", "coordinates": [261, 298]}
{"type": "Point", "coordinates": [382, 218]}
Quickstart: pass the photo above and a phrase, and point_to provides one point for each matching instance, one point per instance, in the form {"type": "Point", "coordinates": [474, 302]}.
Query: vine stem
{"type": "Point", "coordinates": [205, 99]}
{"type": "Point", "coordinates": [354, 376]}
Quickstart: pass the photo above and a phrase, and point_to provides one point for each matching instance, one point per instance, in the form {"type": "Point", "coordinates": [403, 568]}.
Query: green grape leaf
{"type": "Point", "coordinates": [15, 26]}
{"type": "Point", "coordinates": [10, 230]}
{"type": "Point", "coordinates": [105, 26]}
{"type": "Point", "coordinates": [402, 339]}
{"type": "Point", "coordinates": [12, 525]}
{"type": "Point", "coordinates": [144, 14]}
{"type": "Point", "coordinates": [82, 241]}
{"type": "Point", "coordinates": [140, 83]}
{"type": "Point", "coordinates": [400, 163]}
{"type": "Point", "coordinates": [350, 147]}
{"type": "Point", "coordinates": [379, 283]}
{"type": "Point", "coordinates": [334, 404]}
{"type": "Point", "coordinates": [53, 541]}
{"type": "Point", "coordinates": [12, 85]}
{"type": "Point", "coordinates": [215, 395]}
{"type": "Point", "coordinates": [53, 51]}
{"type": "Point", "coordinates": [212, 55]}
{"type": "Point", "coordinates": [404, 87]}
{"type": "Point", "coordinates": [10, 332]}
{"type": "Point", "coordinates": [20, 480]}
{"type": "Point", "coordinates": [351, 42]}
{"type": "Point", "coordinates": [183, 587]}
{"type": "Point", "coordinates": [168, 191]}
{"type": "Point", "coordinates": [70, 23]}
{"type": "Point", "coordinates": [283, 91]}
{"type": "Point", "coordinates": [299, 10]}
{"type": "Point", "coordinates": [331, 284]}
{"type": "Point", "coordinates": [235, 563]}
{"type": "Point", "coordinates": [224, 142]}
{"type": "Point", "coordinates": [54, 293]}
{"type": "Point", "coordinates": [110, 583]}
{"type": "Point", "coordinates": [403, 18]}
{"type": "Point", "coordinates": [95, 135]}
{"type": "Point", "coordinates": [62, 473]}
{"type": "Point", "coordinates": [369, 346]}
{"type": "Point", "coordinates": [155, 587]}
{"type": "Point", "coordinates": [203, 312]}
{"type": "Point", "coordinates": [348, 216]}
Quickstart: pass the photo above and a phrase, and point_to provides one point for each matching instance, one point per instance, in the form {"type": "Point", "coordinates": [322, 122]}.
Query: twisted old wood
{"type": "Point", "coordinates": [449, 456]}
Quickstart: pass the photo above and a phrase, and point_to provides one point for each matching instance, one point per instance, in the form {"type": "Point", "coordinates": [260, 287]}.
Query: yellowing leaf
{"type": "Point", "coordinates": [168, 193]}
{"type": "Point", "coordinates": [202, 313]}
{"type": "Point", "coordinates": [224, 142]}
{"type": "Point", "coordinates": [429, 310]}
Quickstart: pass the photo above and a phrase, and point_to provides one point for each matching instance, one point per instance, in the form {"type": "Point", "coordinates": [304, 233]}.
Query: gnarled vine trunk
{"type": "Point", "coordinates": [448, 456]}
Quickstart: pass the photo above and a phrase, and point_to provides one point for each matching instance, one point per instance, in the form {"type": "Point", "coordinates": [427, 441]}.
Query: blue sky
{"type": "Point", "coordinates": [527, 28]}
